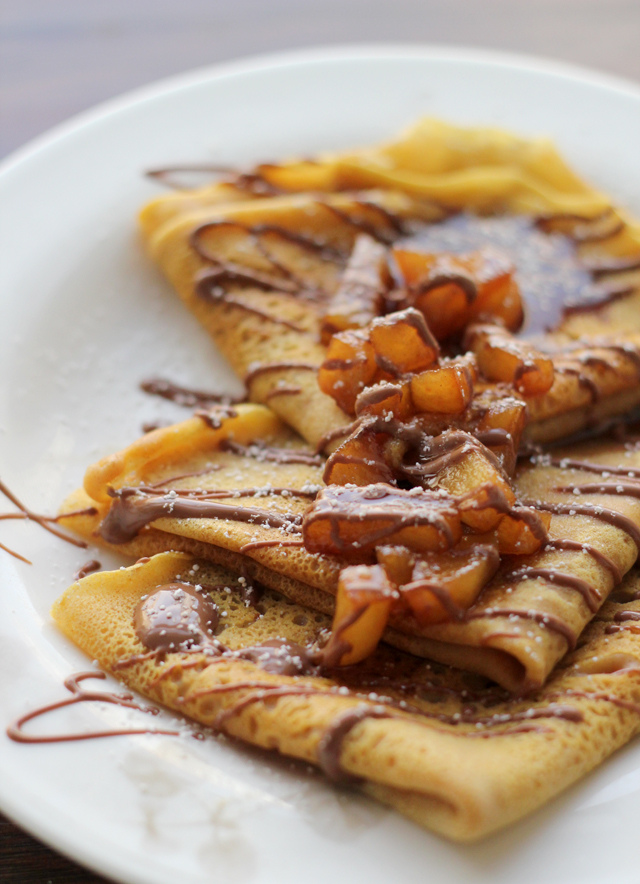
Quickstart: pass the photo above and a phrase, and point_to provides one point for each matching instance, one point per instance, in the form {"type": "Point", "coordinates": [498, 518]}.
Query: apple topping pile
{"type": "Point", "coordinates": [420, 503]}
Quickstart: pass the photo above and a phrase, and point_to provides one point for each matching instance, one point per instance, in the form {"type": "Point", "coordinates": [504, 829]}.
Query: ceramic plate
{"type": "Point", "coordinates": [84, 319]}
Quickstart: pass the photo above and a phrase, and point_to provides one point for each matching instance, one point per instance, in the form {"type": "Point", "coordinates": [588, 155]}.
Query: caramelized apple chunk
{"type": "Point", "coordinates": [363, 603]}
{"type": "Point", "coordinates": [444, 585]}
{"type": "Point", "coordinates": [380, 400]}
{"type": "Point", "coordinates": [359, 297]}
{"type": "Point", "coordinates": [397, 561]}
{"type": "Point", "coordinates": [501, 357]}
{"type": "Point", "coordinates": [350, 366]}
{"type": "Point", "coordinates": [452, 290]}
{"type": "Point", "coordinates": [498, 292]}
{"type": "Point", "coordinates": [461, 465]}
{"type": "Point", "coordinates": [359, 460]}
{"type": "Point", "coordinates": [403, 342]}
{"type": "Point", "coordinates": [484, 505]}
{"type": "Point", "coordinates": [523, 531]}
{"type": "Point", "coordinates": [350, 522]}
{"type": "Point", "coordinates": [499, 425]}
{"type": "Point", "coordinates": [447, 389]}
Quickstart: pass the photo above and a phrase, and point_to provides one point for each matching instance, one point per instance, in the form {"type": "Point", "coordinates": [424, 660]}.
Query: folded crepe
{"type": "Point", "coordinates": [261, 273]}
{"type": "Point", "coordinates": [444, 748]}
{"type": "Point", "coordinates": [232, 486]}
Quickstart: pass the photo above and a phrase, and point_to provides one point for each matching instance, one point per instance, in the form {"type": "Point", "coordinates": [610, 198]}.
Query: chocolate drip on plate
{"type": "Point", "coordinates": [16, 731]}
{"type": "Point", "coordinates": [88, 568]}
{"type": "Point", "coordinates": [184, 395]}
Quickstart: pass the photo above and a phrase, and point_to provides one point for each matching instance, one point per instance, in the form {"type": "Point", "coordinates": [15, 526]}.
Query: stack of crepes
{"type": "Point", "coordinates": [372, 482]}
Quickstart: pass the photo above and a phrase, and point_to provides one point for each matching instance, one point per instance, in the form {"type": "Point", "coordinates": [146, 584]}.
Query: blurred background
{"type": "Point", "coordinates": [58, 57]}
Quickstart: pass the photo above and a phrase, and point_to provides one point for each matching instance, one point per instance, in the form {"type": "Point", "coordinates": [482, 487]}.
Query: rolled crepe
{"type": "Point", "coordinates": [235, 493]}
{"type": "Point", "coordinates": [444, 749]}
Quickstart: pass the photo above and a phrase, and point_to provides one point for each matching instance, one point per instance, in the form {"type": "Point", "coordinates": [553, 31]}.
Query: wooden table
{"type": "Point", "coordinates": [59, 58]}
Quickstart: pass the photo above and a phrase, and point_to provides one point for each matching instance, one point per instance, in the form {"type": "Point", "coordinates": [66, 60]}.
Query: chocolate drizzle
{"type": "Point", "coordinates": [330, 747]}
{"type": "Point", "coordinates": [568, 463]}
{"type": "Point", "coordinates": [175, 616]}
{"type": "Point", "coordinates": [181, 177]}
{"type": "Point", "coordinates": [548, 621]}
{"type": "Point", "coordinates": [260, 370]}
{"type": "Point", "coordinates": [88, 568]}
{"type": "Point", "coordinates": [271, 454]}
{"type": "Point", "coordinates": [592, 599]}
{"type": "Point", "coordinates": [621, 488]}
{"type": "Point", "coordinates": [599, 557]}
{"type": "Point", "coordinates": [185, 396]}
{"type": "Point", "coordinates": [132, 510]}
{"type": "Point", "coordinates": [210, 287]}
{"type": "Point", "coordinates": [16, 731]}
{"type": "Point", "coordinates": [46, 522]}
{"type": "Point", "coordinates": [595, 511]}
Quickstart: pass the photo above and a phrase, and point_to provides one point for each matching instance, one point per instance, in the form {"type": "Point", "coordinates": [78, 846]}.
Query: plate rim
{"type": "Point", "coordinates": [252, 64]}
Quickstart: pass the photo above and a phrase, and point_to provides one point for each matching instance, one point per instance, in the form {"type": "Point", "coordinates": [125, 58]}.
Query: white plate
{"type": "Point", "coordinates": [84, 318]}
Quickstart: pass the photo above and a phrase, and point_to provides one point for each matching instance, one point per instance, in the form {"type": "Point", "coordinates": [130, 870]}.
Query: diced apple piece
{"type": "Point", "coordinates": [501, 357]}
{"type": "Point", "coordinates": [485, 503]}
{"type": "Point", "coordinates": [350, 366]}
{"type": "Point", "coordinates": [498, 292]}
{"type": "Point", "coordinates": [351, 522]}
{"type": "Point", "coordinates": [397, 561]}
{"type": "Point", "coordinates": [359, 460]}
{"type": "Point", "coordinates": [413, 266]}
{"type": "Point", "coordinates": [469, 471]}
{"type": "Point", "coordinates": [501, 425]}
{"type": "Point", "coordinates": [359, 297]}
{"type": "Point", "coordinates": [363, 604]}
{"type": "Point", "coordinates": [444, 585]}
{"type": "Point", "coordinates": [523, 531]}
{"type": "Point", "coordinates": [452, 290]}
{"type": "Point", "coordinates": [446, 389]}
{"type": "Point", "coordinates": [380, 400]}
{"type": "Point", "coordinates": [403, 342]}
{"type": "Point", "coordinates": [445, 306]}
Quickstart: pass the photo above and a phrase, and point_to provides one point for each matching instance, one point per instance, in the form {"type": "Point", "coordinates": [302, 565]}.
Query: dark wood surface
{"type": "Point", "coordinates": [23, 860]}
{"type": "Point", "coordinates": [58, 58]}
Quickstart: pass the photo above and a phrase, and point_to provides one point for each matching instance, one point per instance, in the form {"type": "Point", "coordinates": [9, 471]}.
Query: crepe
{"type": "Point", "coordinates": [444, 749]}
{"type": "Point", "coordinates": [259, 273]}
{"type": "Point", "coordinates": [195, 489]}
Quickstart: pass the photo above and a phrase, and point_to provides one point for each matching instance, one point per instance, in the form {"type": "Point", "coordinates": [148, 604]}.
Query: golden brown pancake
{"type": "Point", "coordinates": [444, 748]}
{"type": "Point", "coordinates": [259, 273]}
{"type": "Point", "coordinates": [523, 622]}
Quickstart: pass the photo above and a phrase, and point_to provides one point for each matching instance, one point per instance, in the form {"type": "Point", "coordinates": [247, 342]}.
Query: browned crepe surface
{"type": "Point", "coordinates": [418, 179]}
{"type": "Point", "coordinates": [541, 617]}
{"type": "Point", "coordinates": [452, 753]}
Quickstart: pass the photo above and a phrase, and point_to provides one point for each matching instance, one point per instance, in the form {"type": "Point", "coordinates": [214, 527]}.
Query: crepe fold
{"type": "Point", "coordinates": [443, 748]}
{"type": "Point", "coordinates": [259, 271]}
{"type": "Point", "coordinates": [234, 493]}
